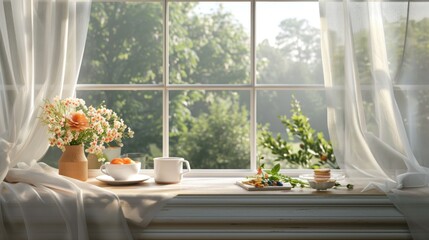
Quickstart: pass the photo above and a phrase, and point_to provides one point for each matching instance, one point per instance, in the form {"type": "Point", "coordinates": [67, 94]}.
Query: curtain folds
{"type": "Point", "coordinates": [41, 49]}
{"type": "Point", "coordinates": [375, 57]}
{"type": "Point", "coordinates": [37, 203]}
{"type": "Point", "coordinates": [41, 46]}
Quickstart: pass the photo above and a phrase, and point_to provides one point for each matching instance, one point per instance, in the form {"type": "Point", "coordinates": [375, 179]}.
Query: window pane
{"type": "Point", "coordinates": [52, 156]}
{"type": "Point", "coordinates": [288, 43]}
{"type": "Point", "coordinates": [140, 110]}
{"type": "Point", "coordinates": [209, 42]}
{"type": "Point", "coordinates": [210, 128]}
{"type": "Point", "coordinates": [124, 43]}
{"type": "Point", "coordinates": [413, 67]}
{"type": "Point", "coordinates": [272, 104]}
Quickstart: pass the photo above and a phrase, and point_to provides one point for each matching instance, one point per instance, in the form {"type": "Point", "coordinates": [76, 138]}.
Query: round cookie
{"type": "Point", "coordinates": [322, 175]}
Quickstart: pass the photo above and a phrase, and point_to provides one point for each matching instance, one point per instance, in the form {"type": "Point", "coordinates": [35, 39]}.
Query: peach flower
{"type": "Point", "coordinates": [78, 121]}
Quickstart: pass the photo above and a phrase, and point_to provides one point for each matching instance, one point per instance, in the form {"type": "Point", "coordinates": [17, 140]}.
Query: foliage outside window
{"type": "Point", "coordinates": [312, 149]}
{"type": "Point", "coordinates": [213, 94]}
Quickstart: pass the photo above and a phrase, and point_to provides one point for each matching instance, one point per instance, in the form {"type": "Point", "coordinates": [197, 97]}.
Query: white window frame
{"type": "Point", "coordinates": [252, 88]}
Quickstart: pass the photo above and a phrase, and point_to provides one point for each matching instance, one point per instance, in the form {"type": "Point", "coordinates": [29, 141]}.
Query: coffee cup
{"type": "Point", "coordinates": [121, 172]}
{"type": "Point", "coordinates": [170, 169]}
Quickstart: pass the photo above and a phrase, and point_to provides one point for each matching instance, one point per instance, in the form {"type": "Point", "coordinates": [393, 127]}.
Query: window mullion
{"type": "Point", "coordinates": [165, 80]}
{"type": "Point", "coordinates": [253, 124]}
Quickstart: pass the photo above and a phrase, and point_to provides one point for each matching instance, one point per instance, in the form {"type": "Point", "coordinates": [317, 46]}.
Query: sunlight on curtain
{"type": "Point", "coordinates": [375, 57]}
{"type": "Point", "coordinates": [41, 48]}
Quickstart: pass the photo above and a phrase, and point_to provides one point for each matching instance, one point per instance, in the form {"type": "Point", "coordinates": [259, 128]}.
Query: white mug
{"type": "Point", "coordinates": [170, 169]}
{"type": "Point", "coordinates": [120, 172]}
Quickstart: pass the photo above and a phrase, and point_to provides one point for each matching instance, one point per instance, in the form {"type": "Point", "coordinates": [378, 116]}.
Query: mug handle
{"type": "Point", "coordinates": [188, 167]}
{"type": "Point", "coordinates": [103, 169]}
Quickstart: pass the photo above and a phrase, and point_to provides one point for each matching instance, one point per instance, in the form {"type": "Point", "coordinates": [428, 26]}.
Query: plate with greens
{"type": "Point", "coordinates": [270, 179]}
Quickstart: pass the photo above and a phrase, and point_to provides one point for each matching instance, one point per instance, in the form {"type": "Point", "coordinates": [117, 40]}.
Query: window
{"type": "Point", "coordinates": [204, 85]}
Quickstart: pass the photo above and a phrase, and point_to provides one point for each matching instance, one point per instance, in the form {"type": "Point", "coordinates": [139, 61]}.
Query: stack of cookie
{"type": "Point", "coordinates": [322, 175]}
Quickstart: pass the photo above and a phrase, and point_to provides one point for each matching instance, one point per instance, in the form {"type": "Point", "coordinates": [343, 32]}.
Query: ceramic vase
{"type": "Point", "coordinates": [93, 162]}
{"type": "Point", "coordinates": [73, 163]}
{"type": "Point", "coordinates": [112, 152]}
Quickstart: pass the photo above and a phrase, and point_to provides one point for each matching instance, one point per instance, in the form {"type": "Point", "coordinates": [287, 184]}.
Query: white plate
{"type": "Point", "coordinates": [334, 176]}
{"type": "Point", "coordinates": [132, 180]}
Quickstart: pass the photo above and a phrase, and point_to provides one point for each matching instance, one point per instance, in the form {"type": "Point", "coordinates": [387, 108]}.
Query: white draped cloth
{"type": "Point", "coordinates": [37, 203]}
{"type": "Point", "coordinates": [41, 49]}
{"type": "Point", "coordinates": [375, 58]}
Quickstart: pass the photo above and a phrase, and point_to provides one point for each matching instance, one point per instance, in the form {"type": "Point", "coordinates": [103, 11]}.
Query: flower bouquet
{"type": "Point", "coordinates": [70, 122]}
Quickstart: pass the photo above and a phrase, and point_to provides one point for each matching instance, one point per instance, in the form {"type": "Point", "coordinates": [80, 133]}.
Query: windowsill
{"type": "Point", "coordinates": [223, 172]}
{"type": "Point", "coordinates": [216, 208]}
{"type": "Point", "coordinates": [217, 186]}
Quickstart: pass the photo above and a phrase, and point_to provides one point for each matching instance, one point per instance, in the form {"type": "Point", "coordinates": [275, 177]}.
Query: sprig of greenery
{"type": "Point", "coordinates": [348, 186]}
{"type": "Point", "coordinates": [313, 146]}
{"type": "Point", "coordinates": [274, 175]}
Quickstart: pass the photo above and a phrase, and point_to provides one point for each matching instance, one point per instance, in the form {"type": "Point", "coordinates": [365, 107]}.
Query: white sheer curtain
{"type": "Point", "coordinates": [376, 58]}
{"type": "Point", "coordinates": [41, 48]}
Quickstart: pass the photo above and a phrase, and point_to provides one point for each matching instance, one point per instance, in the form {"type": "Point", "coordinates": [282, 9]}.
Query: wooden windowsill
{"type": "Point", "coordinates": [219, 186]}
{"type": "Point", "coordinates": [216, 208]}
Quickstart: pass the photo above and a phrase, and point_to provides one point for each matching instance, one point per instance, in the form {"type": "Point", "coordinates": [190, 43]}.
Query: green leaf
{"type": "Point", "coordinates": [275, 169]}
